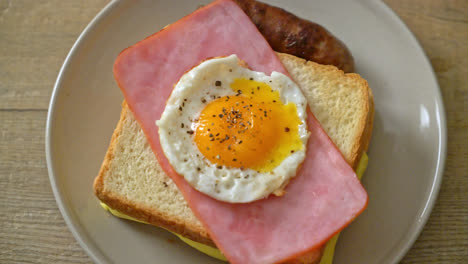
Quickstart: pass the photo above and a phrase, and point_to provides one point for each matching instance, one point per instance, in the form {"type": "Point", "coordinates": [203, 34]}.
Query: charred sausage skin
{"type": "Point", "coordinates": [290, 34]}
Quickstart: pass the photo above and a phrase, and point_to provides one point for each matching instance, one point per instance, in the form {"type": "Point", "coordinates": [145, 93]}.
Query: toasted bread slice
{"type": "Point", "coordinates": [342, 103]}
{"type": "Point", "coordinates": [132, 182]}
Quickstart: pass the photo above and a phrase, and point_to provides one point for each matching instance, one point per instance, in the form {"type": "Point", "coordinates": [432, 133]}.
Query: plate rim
{"type": "Point", "coordinates": [95, 252]}
{"type": "Point", "coordinates": [73, 224]}
{"type": "Point", "coordinates": [419, 225]}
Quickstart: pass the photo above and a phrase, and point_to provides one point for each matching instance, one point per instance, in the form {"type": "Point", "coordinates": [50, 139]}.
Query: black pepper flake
{"type": "Point", "coordinates": [165, 184]}
{"type": "Point", "coordinates": [251, 78]}
{"type": "Point", "coordinates": [220, 115]}
{"type": "Point", "coordinates": [211, 135]}
{"type": "Point", "coordinates": [185, 99]}
{"type": "Point", "coordinates": [198, 169]}
{"type": "Point", "coordinates": [234, 159]}
{"type": "Point", "coordinates": [180, 108]}
{"type": "Point", "coordinates": [230, 70]}
{"type": "Point", "coordinates": [219, 167]}
{"type": "Point", "coordinates": [240, 142]}
{"type": "Point", "coordinates": [218, 83]}
{"type": "Point", "coordinates": [182, 125]}
{"type": "Point", "coordinates": [258, 87]}
{"type": "Point", "coordinates": [190, 132]}
{"type": "Point", "coordinates": [286, 129]}
{"type": "Point", "coordinates": [274, 101]}
{"type": "Point", "coordinates": [292, 151]}
{"type": "Point", "coordinates": [203, 100]}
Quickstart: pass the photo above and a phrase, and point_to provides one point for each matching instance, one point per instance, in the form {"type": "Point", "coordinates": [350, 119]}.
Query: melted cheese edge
{"type": "Point", "coordinates": [328, 253]}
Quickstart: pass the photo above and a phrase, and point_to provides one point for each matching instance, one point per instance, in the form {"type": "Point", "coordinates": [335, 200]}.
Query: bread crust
{"type": "Point", "coordinates": [197, 233]}
{"type": "Point", "coordinates": [137, 211]}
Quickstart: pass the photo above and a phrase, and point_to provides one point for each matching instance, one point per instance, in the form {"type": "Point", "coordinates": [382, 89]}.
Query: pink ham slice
{"type": "Point", "coordinates": [322, 199]}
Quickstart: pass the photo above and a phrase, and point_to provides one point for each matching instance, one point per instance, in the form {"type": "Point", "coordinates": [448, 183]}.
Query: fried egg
{"type": "Point", "coordinates": [234, 134]}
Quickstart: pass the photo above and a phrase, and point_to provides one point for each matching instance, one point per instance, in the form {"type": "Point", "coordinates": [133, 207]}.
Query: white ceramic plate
{"type": "Point", "coordinates": [407, 151]}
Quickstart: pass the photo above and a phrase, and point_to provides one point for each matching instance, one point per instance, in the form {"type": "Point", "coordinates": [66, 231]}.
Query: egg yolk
{"type": "Point", "coordinates": [251, 129]}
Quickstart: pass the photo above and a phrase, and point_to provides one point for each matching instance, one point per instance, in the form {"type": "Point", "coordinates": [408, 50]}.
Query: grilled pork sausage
{"type": "Point", "coordinates": [290, 34]}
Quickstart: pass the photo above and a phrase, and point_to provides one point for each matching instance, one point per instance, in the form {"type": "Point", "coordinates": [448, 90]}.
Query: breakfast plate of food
{"type": "Point", "coordinates": [246, 132]}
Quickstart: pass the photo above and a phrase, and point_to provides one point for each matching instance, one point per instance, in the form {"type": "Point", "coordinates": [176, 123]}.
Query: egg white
{"type": "Point", "coordinates": [194, 90]}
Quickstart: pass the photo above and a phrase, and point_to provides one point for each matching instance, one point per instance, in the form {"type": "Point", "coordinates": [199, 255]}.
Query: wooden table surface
{"type": "Point", "coordinates": [35, 37]}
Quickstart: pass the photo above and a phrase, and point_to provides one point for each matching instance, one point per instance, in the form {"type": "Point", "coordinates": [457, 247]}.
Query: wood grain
{"type": "Point", "coordinates": [35, 37]}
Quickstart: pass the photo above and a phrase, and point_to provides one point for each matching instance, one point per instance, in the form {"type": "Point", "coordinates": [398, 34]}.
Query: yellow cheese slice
{"type": "Point", "coordinates": [328, 253]}
{"type": "Point", "coordinates": [210, 251]}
